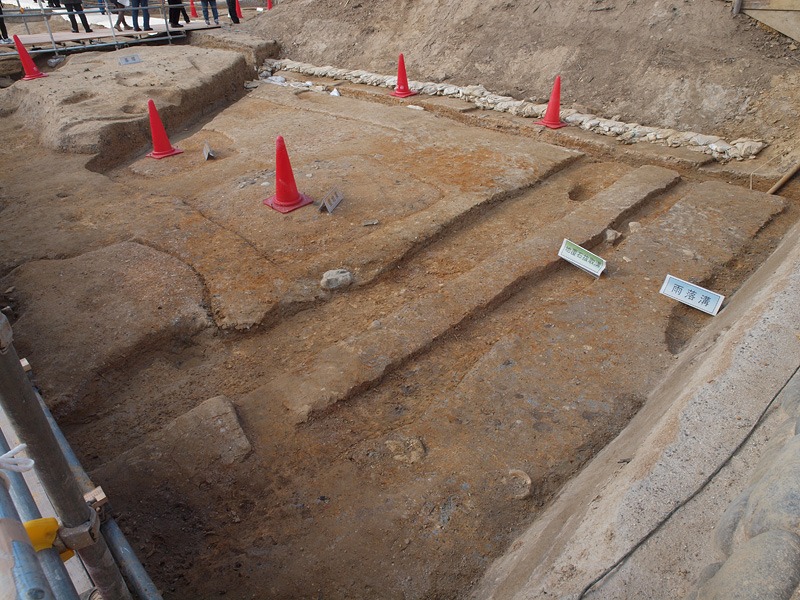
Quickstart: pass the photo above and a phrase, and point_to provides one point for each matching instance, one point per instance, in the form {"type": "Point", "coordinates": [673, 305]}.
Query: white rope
{"type": "Point", "coordinates": [11, 462]}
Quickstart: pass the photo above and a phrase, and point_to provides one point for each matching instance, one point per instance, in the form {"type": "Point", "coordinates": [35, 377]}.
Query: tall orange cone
{"type": "Point", "coordinates": [286, 198]}
{"type": "Point", "coordinates": [238, 10]}
{"type": "Point", "coordinates": [161, 146]}
{"type": "Point", "coordinates": [193, 10]}
{"type": "Point", "coordinates": [402, 90]}
{"type": "Point", "coordinates": [31, 72]}
{"type": "Point", "coordinates": [551, 118]}
{"type": "Point", "coordinates": [269, 4]}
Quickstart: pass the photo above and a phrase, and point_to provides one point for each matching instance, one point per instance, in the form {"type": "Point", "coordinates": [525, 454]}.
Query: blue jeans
{"type": "Point", "coordinates": [135, 4]}
{"type": "Point", "coordinates": [204, 4]}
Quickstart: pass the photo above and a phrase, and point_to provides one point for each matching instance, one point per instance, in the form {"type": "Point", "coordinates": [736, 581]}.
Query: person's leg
{"type": "Point", "coordinates": [213, 4]}
{"type": "Point", "coordinates": [3, 32]}
{"type": "Point", "coordinates": [204, 10]}
{"type": "Point", "coordinates": [184, 14]}
{"type": "Point", "coordinates": [84, 21]}
{"type": "Point", "coordinates": [71, 14]}
{"type": "Point", "coordinates": [135, 14]}
{"type": "Point", "coordinates": [145, 15]}
{"type": "Point", "coordinates": [174, 13]}
{"type": "Point", "coordinates": [101, 4]}
{"type": "Point", "coordinates": [232, 11]}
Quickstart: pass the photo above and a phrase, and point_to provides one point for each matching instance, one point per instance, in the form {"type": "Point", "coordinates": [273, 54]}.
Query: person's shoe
{"type": "Point", "coordinates": [175, 25]}
{"type": "Point", "coordinates": [74, 31]}
{"type": "Point", "coordinates": [136, 29]}
{"type": "Point", "coordinates": [216, 21]}
{"type": "Point", "coordinates": [207, 23]}
{"type": "Point", "coordinates": [148, 29]}
{"type": "Point", "coordinates": [89, 30]}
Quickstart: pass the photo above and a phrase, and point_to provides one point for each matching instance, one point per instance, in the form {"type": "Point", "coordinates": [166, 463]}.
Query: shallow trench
{"type": "Point", "coordinates": [411, 487]}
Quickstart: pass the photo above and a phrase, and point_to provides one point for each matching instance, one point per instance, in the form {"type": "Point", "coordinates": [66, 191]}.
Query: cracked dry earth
{"type": "Point", "coordinates": [262, 438]}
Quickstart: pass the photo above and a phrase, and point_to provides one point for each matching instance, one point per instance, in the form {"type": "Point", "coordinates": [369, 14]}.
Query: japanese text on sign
{"type": "Point", "coordinates": [129, 59]}
{"type": "Point", "coordinates": [581, 258]}
{"type": "Point", "coordinates": [692, 295]}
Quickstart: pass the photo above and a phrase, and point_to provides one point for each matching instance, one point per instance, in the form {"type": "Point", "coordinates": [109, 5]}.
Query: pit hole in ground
{"type": "Point", "coordinates": [79, 97]}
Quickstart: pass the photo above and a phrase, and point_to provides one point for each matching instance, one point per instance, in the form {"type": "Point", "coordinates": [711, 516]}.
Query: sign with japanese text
{"type": "Point", "coordinates": [583, 259]}
{"type": "Point", "coordinates": [129, 59]}
{"type": "Point", "coordinates": [692, 295]}
{"type": "Point", "coordinates": [331, 200]}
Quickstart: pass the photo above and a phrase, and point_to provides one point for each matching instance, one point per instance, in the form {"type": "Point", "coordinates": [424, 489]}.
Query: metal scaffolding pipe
{"type": "Point", "coordinates": [20, 570]}
{"type": "Point", "coordinates": [21, 404]}
{"type": "Point", "coordinates": [123, 552]}
{"type": "Point", "coordinates": [51, 562]}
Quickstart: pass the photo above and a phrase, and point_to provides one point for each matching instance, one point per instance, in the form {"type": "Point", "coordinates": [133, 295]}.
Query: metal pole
{"type": "Point", "coordinates": [77, 518]}
{"type": "Point", "coordinates": [22, 14]}
{"type": "Point", "coordinates": [20, 569]}
{"type": "Point", "coordinates": [47, 22]}
{"type": "Point", "coordinates": [51, 562]}
{"type": "Point", "coordinates": [123, 552]}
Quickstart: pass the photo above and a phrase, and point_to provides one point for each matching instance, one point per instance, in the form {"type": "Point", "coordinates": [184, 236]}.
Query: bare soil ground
{"type": "Point", "coordinates": [139, 291]}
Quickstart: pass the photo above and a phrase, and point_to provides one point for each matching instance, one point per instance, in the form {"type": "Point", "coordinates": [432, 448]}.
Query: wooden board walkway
{"type": "Point", "coordinates": [781, 15]}
{"type": "Point", "coordinates": [104, 34]}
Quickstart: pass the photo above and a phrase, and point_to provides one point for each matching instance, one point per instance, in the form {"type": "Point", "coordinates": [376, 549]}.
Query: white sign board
{"type": "Point", "coordinates": [583, 259]}
{"type": "Point", "coordinates": [331, 200]}
{"type": "Point", "coordinates": [129, 59]}
{"type": "Point", "coordinates": [207, 151]}
{"type": "Point", "coordinates": [691, 295]}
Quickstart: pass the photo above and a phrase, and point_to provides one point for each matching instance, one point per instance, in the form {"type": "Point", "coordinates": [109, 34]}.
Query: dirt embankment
{"type": "Point", "coordinates": [687, 64]}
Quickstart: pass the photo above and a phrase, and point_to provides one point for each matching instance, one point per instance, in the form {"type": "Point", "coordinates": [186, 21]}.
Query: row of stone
{"type": "Point", "coordinates": [629, 133]}
{"type": "Point", "coordinates": [758, 536]}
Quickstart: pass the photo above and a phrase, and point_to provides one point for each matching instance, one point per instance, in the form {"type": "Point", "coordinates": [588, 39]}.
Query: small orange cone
{"type": "Point", "coordinates": [238, 10]}
{"type": "Point", "coordinates": [161, 146]}
{"type": "Point", "coordinates": [402, 90]}
{"type": "Point", "coordinates": [269, 4]}
{"type": "Point", "coordinates": [193, 10]}
{"type": "Point", "coordinates": [551, 118]}
{"type": "Point", "coordinates": [286, 198]}
{"type": "Point", "coordinates": [31, 72]}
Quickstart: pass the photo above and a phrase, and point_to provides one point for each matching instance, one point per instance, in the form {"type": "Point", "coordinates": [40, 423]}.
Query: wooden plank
{"type": "Point", "coordinates": [785, 21]}
{"type": "Point", "coordinates": [792, 5]}
{"type": "Point", "coordinates": [102, 33]}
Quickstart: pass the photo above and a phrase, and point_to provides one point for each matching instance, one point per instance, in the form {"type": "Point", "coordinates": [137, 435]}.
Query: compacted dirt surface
{"type": "Point", "coordinates": [263, 437]}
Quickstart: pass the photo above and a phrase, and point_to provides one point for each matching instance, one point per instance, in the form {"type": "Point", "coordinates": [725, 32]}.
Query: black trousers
{"type": "Point", "coordinates": [3, 32]}
{"type": "Point", "coordinates": [174, 13]}
{"type": "Point", "coordinates": [71, 9]}
{"type": "Point", "coordinates": [232, 11]}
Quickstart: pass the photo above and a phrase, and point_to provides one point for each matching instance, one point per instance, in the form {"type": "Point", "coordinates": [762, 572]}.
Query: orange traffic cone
{"type": "Point", "coordinates": [161, 146]}
{"type": "Point", "coordinates": [269, 4]}
{"type": "Point", "coordinates": [402, 90]}
{"type": "Point", "coordinates": [551, 118]}
{"type": "Point", "coordinates": [238, 10]}
{"type": "Point", "coordinates": [31, 72]}
{"type": "Point", "coordinates": [193, 10]}
{"type": "Point", "coordinates": [286, 198]}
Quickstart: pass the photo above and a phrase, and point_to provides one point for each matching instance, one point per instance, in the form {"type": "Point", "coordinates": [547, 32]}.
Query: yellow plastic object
{"type": "Point", "coordinates": [43, 533]}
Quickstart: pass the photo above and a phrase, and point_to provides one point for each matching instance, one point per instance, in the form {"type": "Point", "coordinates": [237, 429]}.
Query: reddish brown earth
{"type": "Point", "coordinates": [141, 291]}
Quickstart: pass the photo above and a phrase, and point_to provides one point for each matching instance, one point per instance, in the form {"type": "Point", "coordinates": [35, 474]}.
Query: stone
{"type": "Point", "coordinates": [634, 226]}
{"type": "Point", "coordinates": [612, 236]}
{"type": "Point", "coordinates": [790, 397]}
{"type": "Point", "coordinates": [775, 500]}
{"type": "Point", "coordinates": [251, 85]}
{"type": "Point", "coordinates": [723, 533]}
{"type": "Point", "coordinates": [765, 568]}
{"type": "Point", "coordinates": [336, 279]}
